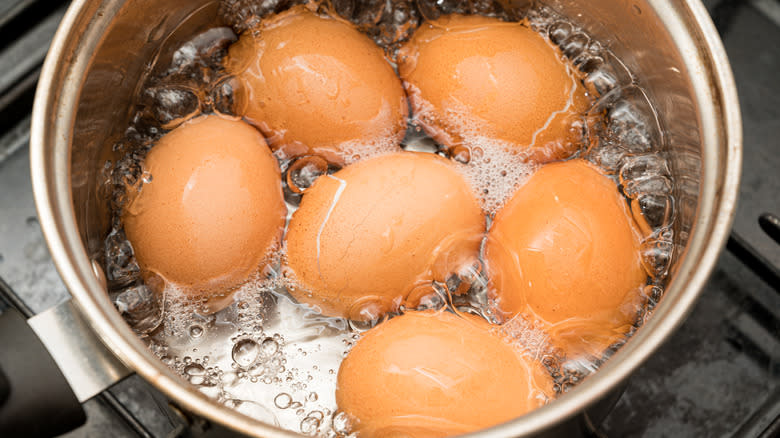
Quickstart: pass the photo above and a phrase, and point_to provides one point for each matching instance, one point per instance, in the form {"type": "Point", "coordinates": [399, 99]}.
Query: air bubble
{"type": "Point", "coordinates": [172, 104]}
{"type": "Point", "coordinates": [657, 252]}
{"type": "Point", "coordinates": [227, 97]}
{"type": "Point", "coordinates": [341, 423]}
{"type": "Point", "coordinates": [607, 156]}
{"type": "Point", "coordinates": [195, 373]}
{"type": "Point", "coordinates": [657, 185]}
{"type": "Point", "coordinates": [309, 425]}
{"type": "Point", "coordinates": [560, 31]}
{"type": "Point", "coordinates": [304, 171]}
{"type": "Point", "coordinates": [245, 353]}
{"type": "Point", "coordinates": [589, 63]}
{"type": "Point", "coordinates": [653, 294]}
{"type": "Point", "coordinates": [141, 308]}
{"type": "Point", "coordinates": [461, 154]}
{"type": "Point", "coordinates": [269, 347]}
{"type": "Point", "coordinates": [283, 400]}
{"type": "Point", "coordinates": [574, 45]}
{"type": "Point", "coordinates": [472, 278]}
{"type": "Point", "coordinates": [631, 121]}
{"type": "Point", "coordinates": [193, 58]}
{"type": "Point", "coordinates": [642, 166]}
{"type": "Point", "coordinates": [362, 325]}
{"type": "Point", "coordinates": [121, 266]}
{"type": "Point", "coordinates": [600, 80]}
{"type": "Point", "coordinates": [657, 211]}
{"type": "Point", "coordinates": [196, 331]}
{"type": "Point", "coordinates": [426, 296]}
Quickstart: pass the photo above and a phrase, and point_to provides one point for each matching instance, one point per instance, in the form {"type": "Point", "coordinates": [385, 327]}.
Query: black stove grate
{"type": "Point", "coordinates": [718, 376]}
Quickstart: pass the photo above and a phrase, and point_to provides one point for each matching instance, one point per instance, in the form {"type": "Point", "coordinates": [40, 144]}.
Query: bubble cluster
{"type": "Point", "coordinates": [264, 355]}
{"type": "Point", "coordinates": [387, 23]}
{"type": "Point", "coordinates": [243, 15]}
{"type": "Point", "coordinates": [629, 144]}
{"type": "Point", "coordinates": [526, 336]}
{"type": "Point", "coordinates": [509, 11]}
{"type": "Point", "coordinates": [495, 170]}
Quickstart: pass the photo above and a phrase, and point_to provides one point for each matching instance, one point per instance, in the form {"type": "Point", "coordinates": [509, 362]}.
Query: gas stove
{"type": "Point", "coordinates": [718, 376]}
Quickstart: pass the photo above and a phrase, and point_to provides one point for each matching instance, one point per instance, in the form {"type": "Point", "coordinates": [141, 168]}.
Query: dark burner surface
{"type": "Point", "coordinates": [718, 376]}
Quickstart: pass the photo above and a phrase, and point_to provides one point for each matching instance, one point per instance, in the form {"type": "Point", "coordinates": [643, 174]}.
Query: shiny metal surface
{"type": "Point", "coordinates": [83, 359]}
{"type": "Point", "coordinates": [104, 47]}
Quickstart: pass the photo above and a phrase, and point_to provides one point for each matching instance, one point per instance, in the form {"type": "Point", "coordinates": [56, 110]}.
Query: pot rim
{"type": "Point", "coordinates": [53, 117]}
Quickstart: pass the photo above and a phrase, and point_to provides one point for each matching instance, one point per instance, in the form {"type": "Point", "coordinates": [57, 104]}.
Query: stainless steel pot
{"type": "Point", "coordinates": [102, 48]}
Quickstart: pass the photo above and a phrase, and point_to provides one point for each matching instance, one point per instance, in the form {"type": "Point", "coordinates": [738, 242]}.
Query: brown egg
{"type": "Point", "coordinates": [212, 210]}
{"type": "Point", "coordinates": [366, 236]}
{"type": "Point", "coordinates": [565, 250]}
{"type": "Point", "coordinates": [435, 374]}
{"type": "Point", "coordinates": [471, 76]}
{"type": "Point", "coordinates": [315, 85]}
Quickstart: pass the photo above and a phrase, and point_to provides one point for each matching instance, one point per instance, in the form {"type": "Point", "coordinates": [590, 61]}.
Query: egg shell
{"type": "Point", "coordinates": [470, 77]}
{"type": "Point", "coordinates": [565, 250]}
{"type": "Point", "coordinates": [315, 85]}
{"type": "Point", "coordinates": [435, 374]}
{"type": "Point", "coordinates": [213, 209]}
{"type": "Point", "coordinates": [367, 235]}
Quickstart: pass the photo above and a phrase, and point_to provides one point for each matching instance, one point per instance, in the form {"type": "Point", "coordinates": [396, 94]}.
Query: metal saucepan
{"type": "Point", "coordinates": [103, 48]}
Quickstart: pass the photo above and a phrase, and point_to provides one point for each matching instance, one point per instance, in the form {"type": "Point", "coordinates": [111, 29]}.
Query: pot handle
{"type": "Point", "coordinates": [51, 363]}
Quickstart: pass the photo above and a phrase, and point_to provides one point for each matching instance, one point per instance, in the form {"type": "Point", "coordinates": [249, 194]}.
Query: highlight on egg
{"type": "Point", "coordinates": [435, 374]}
{"type": "Point", "coordinates": [210, 210]}
{"type": "Point", "coordinates": [315, 85]}
{"type": "Point", "coordinates": [368, 235]}
{"type": "Point", "coordinates": [472, 78]}
{"type": "Point", "coordinates": [565, 251]}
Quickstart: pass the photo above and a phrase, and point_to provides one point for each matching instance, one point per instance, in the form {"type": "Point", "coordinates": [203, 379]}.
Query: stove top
{"type": "Point", "coordinates": [718, 376]}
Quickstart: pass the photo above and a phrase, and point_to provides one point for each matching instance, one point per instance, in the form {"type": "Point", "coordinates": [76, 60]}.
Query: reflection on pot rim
{"type": "Point", "coordinates": [696, 93]}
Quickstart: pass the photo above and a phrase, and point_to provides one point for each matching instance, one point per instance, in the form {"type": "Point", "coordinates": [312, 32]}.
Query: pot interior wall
{"type": "Point", "coordinates": [138, 35]}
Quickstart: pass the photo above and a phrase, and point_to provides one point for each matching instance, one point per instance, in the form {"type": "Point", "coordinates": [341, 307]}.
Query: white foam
{"type": "Point", "coordinates": [525, 336]}
{"type": "Point", "coordinates": [495, 171]}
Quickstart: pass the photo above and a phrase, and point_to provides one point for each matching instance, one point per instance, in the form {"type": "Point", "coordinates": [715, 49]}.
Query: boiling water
{"type": "Point", "coordinates": [275, 360]}
{"type": "Point", "coordinates": [264, 355]}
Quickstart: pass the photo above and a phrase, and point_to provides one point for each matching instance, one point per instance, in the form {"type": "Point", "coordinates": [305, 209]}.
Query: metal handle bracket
{"type": "Point", "coordinates": [88, 366]}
